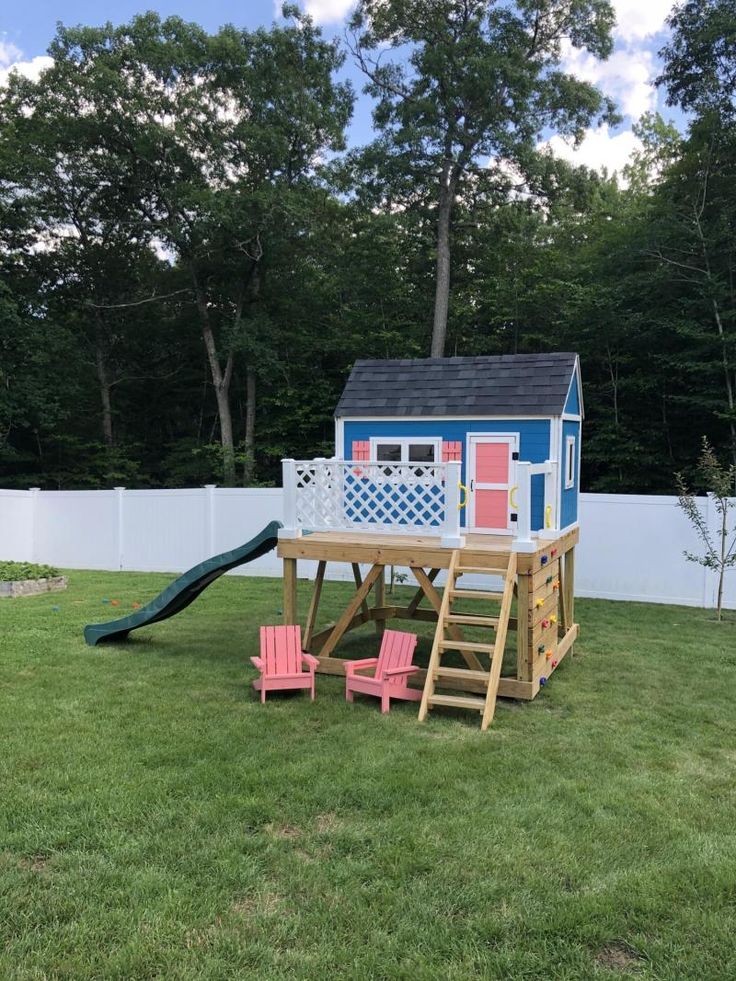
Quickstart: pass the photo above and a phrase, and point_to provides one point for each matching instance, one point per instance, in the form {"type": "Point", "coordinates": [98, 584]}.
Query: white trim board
{"type": "Point", "coordinates": [576, 376]}
{"type": "Point", "coordinates": [463, 418]}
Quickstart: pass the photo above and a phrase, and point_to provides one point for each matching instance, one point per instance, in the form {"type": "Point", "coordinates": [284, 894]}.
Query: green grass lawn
{"type": "Point", "coordinates": [157, 822]}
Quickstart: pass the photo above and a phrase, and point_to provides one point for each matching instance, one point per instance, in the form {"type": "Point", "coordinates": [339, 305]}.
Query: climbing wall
{"type": "Point", "coordinates": [543, 614]}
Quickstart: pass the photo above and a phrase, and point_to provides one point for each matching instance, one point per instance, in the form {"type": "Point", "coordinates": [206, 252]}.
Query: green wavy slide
{"type": "Point", "coordinates": [185, 589]}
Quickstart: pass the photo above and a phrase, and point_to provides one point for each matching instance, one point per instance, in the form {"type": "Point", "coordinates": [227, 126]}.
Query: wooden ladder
{"type": "Point", "coordinates": [444, 676]}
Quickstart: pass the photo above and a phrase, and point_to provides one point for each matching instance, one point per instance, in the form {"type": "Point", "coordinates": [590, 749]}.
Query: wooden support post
{"type": "Point", "coordinates": [380, 600]}
{"type": "Point", "coordinates": [567, 591]}
{"type": "Point", "coordinates": [570, 585]}
{"type": "Point", "coordinates": [346, 619]}
{"type": "Point", "coordinates": [421, 592]}
{"type": "Point", "coordinates": [290, 609]}
{"type": "Point", "coordinates": [523, 658]}
{"type": "Point", "coordinates": [314, 605]}
{"type": "Point", "coordinates": [358, 583]}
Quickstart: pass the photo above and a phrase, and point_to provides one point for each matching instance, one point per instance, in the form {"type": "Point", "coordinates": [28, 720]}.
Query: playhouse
{"type": "Point", "coordinates": [469, 465]}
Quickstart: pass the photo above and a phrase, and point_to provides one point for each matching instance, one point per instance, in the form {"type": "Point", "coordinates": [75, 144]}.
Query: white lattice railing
{"type": "Point", "coordinates": [352, 495]}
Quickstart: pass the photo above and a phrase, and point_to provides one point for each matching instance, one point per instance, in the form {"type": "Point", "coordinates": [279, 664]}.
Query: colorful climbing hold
{"type": "Point", "coordinates": [553, 618]}
{"type": "Point", "coordinates": [542, 682]}
{"type": "Point", "coordinates": [544, 560]}
{"type": "Point", "coordinates": [554, 664]}
{"type": "Point", "coordinates": [556, 584]}
{"type": "Point", "coordinates": [539, 603]}
{"type": "Point", "coordinates": [545, 624]}
{"type": "Point", "coordinates": [548, 580]}
{"type": "Point", "coordinates": [553, 552]}
{"type": "Point", "coordinates": [549, 653]}
{"type": "Point", "coordinates": [540, 649]}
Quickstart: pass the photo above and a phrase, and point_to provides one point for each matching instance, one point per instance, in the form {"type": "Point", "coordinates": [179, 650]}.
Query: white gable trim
{"type": "Point", "coordinates": [463, 418]}
{"type": "Point", "coordinates": [575, 380]}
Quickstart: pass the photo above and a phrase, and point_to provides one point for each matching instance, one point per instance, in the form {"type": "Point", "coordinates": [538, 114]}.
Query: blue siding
{"type": "Point", "coordinates": [534, 435]}
{"type": "Point", "coordinates": [572, 406]}
{"type": "Point", "coordinates": [569, 498]}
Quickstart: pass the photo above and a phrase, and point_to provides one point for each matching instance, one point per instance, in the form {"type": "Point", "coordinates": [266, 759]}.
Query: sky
{"type": "Point", "coordinates": [27, 26]}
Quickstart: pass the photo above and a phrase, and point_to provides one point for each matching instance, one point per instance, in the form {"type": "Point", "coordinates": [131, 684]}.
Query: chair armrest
{"type": "Point", "coordinates": [392, 672]}
{"type": "Point", "coordinates": [257, 663]}
{"type": "Point", "coordinates": [310, 659]}
{"type": "Point", "coordinates": [353, 666]}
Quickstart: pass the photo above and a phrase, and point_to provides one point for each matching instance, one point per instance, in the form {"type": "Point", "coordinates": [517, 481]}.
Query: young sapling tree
{"type": "Point", "coordinates": [720, 547]}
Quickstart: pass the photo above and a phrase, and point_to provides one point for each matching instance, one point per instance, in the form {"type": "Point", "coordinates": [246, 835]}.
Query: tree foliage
{"type": "Point", "coordinates": [189, 263]}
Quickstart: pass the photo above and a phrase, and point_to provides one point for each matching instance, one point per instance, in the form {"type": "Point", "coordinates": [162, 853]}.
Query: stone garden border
{"type": "Point", "coordinates": [32, 587]}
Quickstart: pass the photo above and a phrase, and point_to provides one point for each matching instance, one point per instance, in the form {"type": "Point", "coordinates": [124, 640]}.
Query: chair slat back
{"type": "Point", "coordinates": [281, 650]}
{"type": "Point", "coordinates": [397, 651]}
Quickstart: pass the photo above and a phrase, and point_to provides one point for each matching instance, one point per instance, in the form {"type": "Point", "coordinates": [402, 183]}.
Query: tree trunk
{"type": "Point", "coordinates": [722, 569]}
{"type": "Point", "coordinates": [249, 466]}
{"type": "Point", "coordinates": [103, 380]}
{"type": "Point", "coordinates": [221, 384]}
{"type": "Point", "coordinates": [442, 285]}
{"type": "Point", "coordinates": [727, 375]}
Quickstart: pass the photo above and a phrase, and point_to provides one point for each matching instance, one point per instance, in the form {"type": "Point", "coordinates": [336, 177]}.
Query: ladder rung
{"type": "Point", "coordinates": [474, 594]}
{"type": "Point", "coordinates": [466, 673]}
{"type": "Point", "coordinates": [458, 701]}
{"type": "Point", "coordinates": [472, 621]}
{"type": "Point", "coordinates": [480, 570]}
{"type": "Point", "coordinates": [465, 645]}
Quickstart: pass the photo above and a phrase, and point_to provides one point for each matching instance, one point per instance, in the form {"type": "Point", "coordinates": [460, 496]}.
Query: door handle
{"type": "Point", "coordinates": [471, 484]}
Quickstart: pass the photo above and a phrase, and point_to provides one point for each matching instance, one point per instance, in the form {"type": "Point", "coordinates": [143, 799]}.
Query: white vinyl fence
{"type": "Point", "coordinates": [630, 546]}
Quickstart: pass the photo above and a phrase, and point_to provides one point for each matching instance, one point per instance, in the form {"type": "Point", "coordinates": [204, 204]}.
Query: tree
{"type": "Point", "coordinates": [700, 60]}
{"type": "Point", "coordinates": [211, 134]}
{"type": "Point", "coordinates": [474, 79]}
{"type": "Point", "coordinates": [719, 482]}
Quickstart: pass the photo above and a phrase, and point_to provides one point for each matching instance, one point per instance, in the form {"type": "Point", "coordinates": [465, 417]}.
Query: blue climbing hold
{"type": "Point", "coordinates": [542, 682]}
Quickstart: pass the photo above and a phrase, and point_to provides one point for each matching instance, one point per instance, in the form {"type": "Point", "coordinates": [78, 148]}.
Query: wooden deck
{"type": "Point", "coordinates": [544, 624]}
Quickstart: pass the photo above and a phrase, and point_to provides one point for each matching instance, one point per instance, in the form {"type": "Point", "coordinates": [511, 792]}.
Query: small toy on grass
{"type": "Point", "coordinates": [114, 602]}
{"type": "Point", "coordinates": [55, 609]}
{"type": "Point", "coordinates": [106, 601]}
{"type": "Point", "coordinates": [136, 606]}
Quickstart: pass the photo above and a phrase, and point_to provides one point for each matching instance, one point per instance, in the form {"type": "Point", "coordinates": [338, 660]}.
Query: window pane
{"type": "Point", "coordinates": [570, 480]}
{"type": "Point", "coordinates": [388, 452]}
{"type": "Point", "coordinates": [421, 453]}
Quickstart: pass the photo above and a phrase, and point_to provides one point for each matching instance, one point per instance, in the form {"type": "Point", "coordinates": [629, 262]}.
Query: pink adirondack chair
{"type": "Point", "coordinates": [392, 669]}
{"type": "Point", "coordinates": [282, 662]}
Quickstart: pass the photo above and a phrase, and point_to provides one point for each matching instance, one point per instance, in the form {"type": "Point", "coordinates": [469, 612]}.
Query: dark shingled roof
{"type": "Point", "coordinates": [506, 385]}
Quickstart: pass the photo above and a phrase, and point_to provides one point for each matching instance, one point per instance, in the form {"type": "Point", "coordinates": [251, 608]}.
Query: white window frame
{"type": "Point", "coordinates": [570, 462]}
{"type": "Point", "coordinates": [404, 442]}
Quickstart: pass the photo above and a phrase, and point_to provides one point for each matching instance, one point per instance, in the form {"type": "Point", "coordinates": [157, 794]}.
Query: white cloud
{"type": "Point", "coordinates": [321, 11]}
{"type": "Point", "coordinates": [627, 76]}
{"type": "Point", "coordinates": [639, 19]}
{"type": "Point", "coordinates": [8, 53]}
{"type": "Point", "coordinates": [11, 59]}
{"type": "Point", "coordinates": [31, 69]}
{"type": "Point", "coordinates": [327, 11]}
{"type": "Point", "coordinates": [599, 149]}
